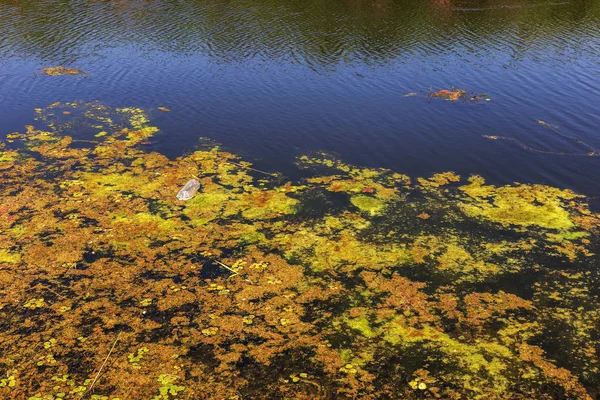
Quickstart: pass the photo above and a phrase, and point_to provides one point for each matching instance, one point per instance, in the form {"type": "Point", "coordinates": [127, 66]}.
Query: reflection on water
{"type": "Point", "coordinates": [317, 33]}
{"type": "Point", "coordinates": [276, 79]}
{"type": "Point", "coordinates": [353, 279]}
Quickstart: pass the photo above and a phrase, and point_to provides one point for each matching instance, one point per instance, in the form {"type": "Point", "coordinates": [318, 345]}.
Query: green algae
{"type": "Point", "coordinates": [7, 158]}
{"type": "Point", "coordinates": [9, 258]}
{"type": "Point", "coordinates": [168, 389]}
{"type": "Point", "coordinates": [9, 381]}
{"type": "Point", "coordinates": [439, 288]}
{"type": "Point", "coordinates": [361, 325]}
{"type": "Point", "coordinates": [521, 205]}
{"type": "Point", "coordinates": [368, 204]}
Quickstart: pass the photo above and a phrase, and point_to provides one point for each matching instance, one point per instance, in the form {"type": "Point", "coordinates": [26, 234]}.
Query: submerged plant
{"type": "Point", "coordinates": [352, 283]}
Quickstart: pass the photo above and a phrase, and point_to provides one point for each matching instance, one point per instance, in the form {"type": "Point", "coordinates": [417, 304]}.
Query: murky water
{"type": "Point", "coordinates": [347, 262]}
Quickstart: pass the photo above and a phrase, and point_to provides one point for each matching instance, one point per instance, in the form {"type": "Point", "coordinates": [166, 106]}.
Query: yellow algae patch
{"type": "Point", "coordinates": [361, 324]}
{"type": "Point", "coordinates": [141, 134]}
{"type": "Point", "coordinates": [354, 179]}
{"type": "Point", "coordinates": [448, 255]}
{"type": "Point", "coordinates": [7, 257]}
{"type": "Point", "coordinates": [261, 205]}
{"type": "Point", "coordinates": [135, 116]}
{"type": "Point", "coordinates": [107, 183]}
{"type": "Point", "coordinates": [438, 180]}
{"type": "Point", "coordinates": [7, 158]}
{"type": "Point", "coordinates": [147, 223]}
{"type": "Point", "coordinates": [521, 205]}
{"type": "Point", "coordinates": [355, 186]}
{"type": "Point", "coordinates": [206, 206]}
{"type": "Point", "coordinates": [368, 204]}
{"type": "Point", "coordinates": [343, 252]}
{"type": "Point", "coordinates": [483, 363]}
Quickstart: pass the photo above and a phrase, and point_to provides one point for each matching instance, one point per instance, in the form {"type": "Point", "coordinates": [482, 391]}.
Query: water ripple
{"type": "Point", "coordinates": [276, 77]}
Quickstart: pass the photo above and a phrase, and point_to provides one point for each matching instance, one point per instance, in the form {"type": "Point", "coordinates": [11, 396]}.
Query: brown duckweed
{"type": "Point", "coordinates": [352, 283]}
{"type": "Point", "coordinates": [453, 94]}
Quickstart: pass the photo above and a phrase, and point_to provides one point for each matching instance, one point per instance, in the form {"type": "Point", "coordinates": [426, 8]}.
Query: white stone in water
{"type": "Point", "coordinates": [189, 190]}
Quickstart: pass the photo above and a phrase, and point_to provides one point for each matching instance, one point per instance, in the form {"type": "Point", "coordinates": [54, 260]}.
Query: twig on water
{"type": "Point", "coordinates": [89, 390]}
{"type": "Point", "coordinates": [592, 153]}
{"type": "Point", "coordinates": [68, 269]}
{"type": "Point", "coordinates": [235, 273]}
{"type": "Point", "coordinates": [86, 141]}
{"type": "Point", "coordinates": [581, 142]}
{"type": "Point", "coordinates": [227, 268]}
{"type": "Point", "coordinates": [250, 168]}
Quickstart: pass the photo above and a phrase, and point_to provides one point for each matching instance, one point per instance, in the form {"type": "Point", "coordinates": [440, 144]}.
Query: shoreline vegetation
{"type": "Point", "coordinates": [352, 283]}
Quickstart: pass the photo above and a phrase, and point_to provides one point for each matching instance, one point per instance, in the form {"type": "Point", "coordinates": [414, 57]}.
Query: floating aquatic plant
{"type": "Point", "coordinates": [453, 94]}
{"type": "Point", "coordinates": [369, 204]}
{"type": "Point", "coordinates": [351, 283]}
{"type": "Point", "coordinates": [61, 70]}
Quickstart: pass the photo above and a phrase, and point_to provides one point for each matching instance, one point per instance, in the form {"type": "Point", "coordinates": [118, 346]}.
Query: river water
{"type": "Point", "coordinates": [275, 79]}
{"type": "Point", "coordinates": [368, 270]}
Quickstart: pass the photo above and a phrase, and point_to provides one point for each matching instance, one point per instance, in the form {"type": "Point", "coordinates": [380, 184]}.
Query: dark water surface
{"type": "Point", "coordinates": [274, 79]}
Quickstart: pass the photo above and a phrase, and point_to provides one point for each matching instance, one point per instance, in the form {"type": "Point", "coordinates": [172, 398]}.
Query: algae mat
{"type": "Point", "coordinates": [351, 283]}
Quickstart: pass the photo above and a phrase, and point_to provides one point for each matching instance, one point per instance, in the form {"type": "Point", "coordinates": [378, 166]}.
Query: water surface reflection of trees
{"type": "Point", "coordinates": [316, 32]}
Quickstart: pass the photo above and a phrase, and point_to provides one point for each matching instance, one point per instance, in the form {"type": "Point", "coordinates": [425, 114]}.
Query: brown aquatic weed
{"type": "Point", "coordinates": [453, 94]}
{"type": "Point", "coordinates": [352, 283]}
{"type": "Point", "coordinates": [61, 70]}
